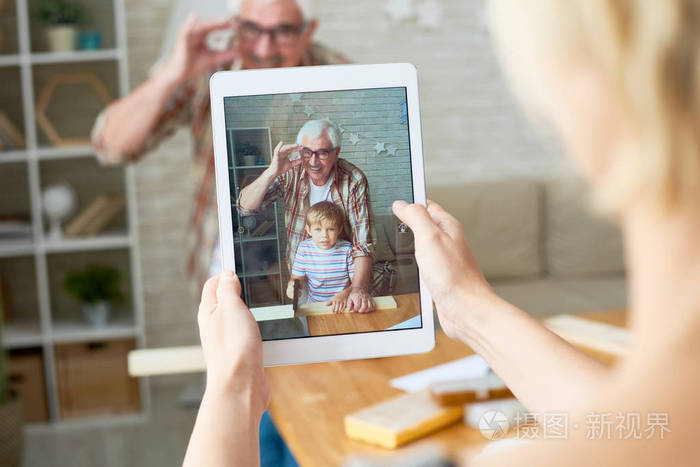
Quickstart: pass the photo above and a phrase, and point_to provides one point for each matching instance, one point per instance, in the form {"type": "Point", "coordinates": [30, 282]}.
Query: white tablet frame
{"type": "Point", "coordinates": [311, 79]}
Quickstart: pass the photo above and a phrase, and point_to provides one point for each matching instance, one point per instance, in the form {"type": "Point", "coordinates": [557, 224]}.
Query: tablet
{"type": "Point", "coordinates": [308, 163]}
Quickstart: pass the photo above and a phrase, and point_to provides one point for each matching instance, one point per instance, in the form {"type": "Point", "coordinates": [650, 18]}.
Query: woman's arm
{"type": "Point", "coordinates": [542, 370]}
{"type": "Point", "coordinates": [237, 391]}
{"type": "Point", "coordinates": [225, 432]}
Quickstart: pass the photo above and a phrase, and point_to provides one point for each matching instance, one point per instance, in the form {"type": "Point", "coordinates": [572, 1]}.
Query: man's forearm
{"type": "Point", "coordinates": [363, 268]}
{"type": "Point", "coordinates": [253, 195]}
{"type": "Point", "coordinates": [543, 371]}
{"type": "Point", "coordinates": [131, 119]}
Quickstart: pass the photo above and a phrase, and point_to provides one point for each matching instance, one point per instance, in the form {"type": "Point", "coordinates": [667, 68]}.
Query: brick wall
{"type": "Point", "coordinates": [374, 115]}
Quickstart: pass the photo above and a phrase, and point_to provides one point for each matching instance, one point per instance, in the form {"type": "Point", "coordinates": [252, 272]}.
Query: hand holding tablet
{"type": "Point", "coordinates": [348, 144]}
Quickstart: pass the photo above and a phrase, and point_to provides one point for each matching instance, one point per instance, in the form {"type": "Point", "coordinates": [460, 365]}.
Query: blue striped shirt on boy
{"type": "Point", "coordinates": [327, 272]}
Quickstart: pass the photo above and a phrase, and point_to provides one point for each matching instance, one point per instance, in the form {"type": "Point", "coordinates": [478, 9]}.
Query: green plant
{"type": "Point", "coordinates": [94, 283]}
{"type": "Point", "coordinates": [247, 149]}
{"type": "Point", "coordinates": [59, 12]}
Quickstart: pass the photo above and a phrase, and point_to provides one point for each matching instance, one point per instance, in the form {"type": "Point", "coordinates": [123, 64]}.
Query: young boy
{"type": "Point", "coordinates": [324, 261]}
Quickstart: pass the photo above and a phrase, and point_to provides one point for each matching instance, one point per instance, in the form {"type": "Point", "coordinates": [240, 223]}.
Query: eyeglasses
{"type": "Point", "coordinates": [322, 154]}
{"type": "Point", "coordinates": [284, 34]}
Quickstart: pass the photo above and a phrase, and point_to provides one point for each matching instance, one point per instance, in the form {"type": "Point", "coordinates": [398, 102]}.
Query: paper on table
{"type": "Point", "coordinates": [468, 367]}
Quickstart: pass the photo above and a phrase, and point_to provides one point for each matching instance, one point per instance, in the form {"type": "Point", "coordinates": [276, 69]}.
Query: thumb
{"type": "Point", "coordinates": [229, 289]}
{"type": "Point", "coordinates": [415, 216]}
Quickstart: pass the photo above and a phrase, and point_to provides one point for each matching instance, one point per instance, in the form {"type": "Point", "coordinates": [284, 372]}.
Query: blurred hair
{"type": "Point", "coordinates": [325, 211]}
{"type": "Point", "coordinates": [309, 8]}
{"type": "Point", "coordinates": [315, 128]}
{"type": "Point", "coordinates": [648, 51]}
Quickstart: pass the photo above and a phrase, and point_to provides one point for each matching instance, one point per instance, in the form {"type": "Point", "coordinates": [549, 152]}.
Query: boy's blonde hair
{"type": "Point", "coordinates": [648, 51]}
{"type": "Point", "coordinates": [325, 211]}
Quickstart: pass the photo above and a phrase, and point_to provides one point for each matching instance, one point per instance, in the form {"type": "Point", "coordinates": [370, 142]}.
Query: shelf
{"type": "Point", "coordinates": [19, 335]}
{"type": "Point", "coordinates": [75, 56]}
{"type": "Point", "coordinates": [13, 156]}
{"type": "Point", "coordinates": [18, 247]}
{"type": "Point", "coordinates": [258, 274]}
{"type": "Point", "coordinates": [256, 239]}
{"type": "Point", "coordinates": [98, 242]}
{"type": "Point", "coordinates": [10, 60]}
{"type": "Point", "coordinates": [49, 153]}
{"type": "Point", "coordinates": [74, 331]}
{"type": "Point", "coordinates": [88, 421]}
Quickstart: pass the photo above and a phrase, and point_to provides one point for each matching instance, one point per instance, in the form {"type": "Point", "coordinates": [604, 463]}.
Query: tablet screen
{"type": "Point", "coordinates": [314, 227]}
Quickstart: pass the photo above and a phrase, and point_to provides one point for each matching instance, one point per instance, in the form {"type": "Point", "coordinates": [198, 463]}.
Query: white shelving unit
{"type": "Point", "coordinates": [50, 330]}
{"type": "Point", "coordinates": [260, 138]}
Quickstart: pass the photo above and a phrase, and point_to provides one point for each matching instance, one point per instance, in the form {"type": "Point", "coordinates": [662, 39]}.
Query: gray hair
{"type": "Point", "coordinates": [315, 128]}
{"type": "Point", "coordinates": [308, 8]}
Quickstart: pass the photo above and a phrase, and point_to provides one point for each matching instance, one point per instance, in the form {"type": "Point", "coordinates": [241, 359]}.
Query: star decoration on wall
{"type": "Point", "coordinates": [354, 138]}
{"type": "Point", "coordinates": [308, 110]}
{"type": "Point", "coordinates": [429, 14]}
{"type": "Point", "coordinates": [391, 150]}
{"type": "Point", "coordinates": [379, 147]}
{"type": "Point", "coordinates": [399, 10]}
{"type": "Point", "coordinates": [296, 97]}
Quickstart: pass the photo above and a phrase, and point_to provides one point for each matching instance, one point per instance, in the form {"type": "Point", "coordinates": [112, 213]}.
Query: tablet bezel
{"type": "Point", "coordinates": [311, 79]}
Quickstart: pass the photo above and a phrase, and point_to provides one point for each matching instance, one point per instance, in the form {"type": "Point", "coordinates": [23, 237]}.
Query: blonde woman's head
{"type": "Point", "coordinates": [619, 80]}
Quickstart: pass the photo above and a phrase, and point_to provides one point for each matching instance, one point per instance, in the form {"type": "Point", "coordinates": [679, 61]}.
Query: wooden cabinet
{"type": "Point", "coordinates": [93, 379]}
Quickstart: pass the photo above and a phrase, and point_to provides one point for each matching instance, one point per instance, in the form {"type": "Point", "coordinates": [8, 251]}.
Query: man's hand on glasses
{"type": "Point", "coordinates": [191, 57]}
{"type": "Point", "coordinates": [280, 162]}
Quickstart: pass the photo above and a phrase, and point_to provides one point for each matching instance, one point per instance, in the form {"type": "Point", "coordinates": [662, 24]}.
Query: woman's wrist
{"type": "Point", "coordinates": [473, 308]}
{"type": "Point", "coordinates": [245, 399]}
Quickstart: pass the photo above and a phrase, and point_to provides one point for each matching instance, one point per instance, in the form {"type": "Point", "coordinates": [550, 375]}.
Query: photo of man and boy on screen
{"type": "Point", "coordinates": [312, 179]}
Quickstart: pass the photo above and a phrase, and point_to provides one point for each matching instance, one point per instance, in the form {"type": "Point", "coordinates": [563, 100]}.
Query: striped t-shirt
{"type": "Point", "coordinates": [327, 271]}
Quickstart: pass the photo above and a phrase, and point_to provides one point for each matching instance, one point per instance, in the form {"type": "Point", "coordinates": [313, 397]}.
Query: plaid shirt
{"type": "Point", "coordinates": [190, 106]}
{"type": "Point", "coordinates": [349, 191]}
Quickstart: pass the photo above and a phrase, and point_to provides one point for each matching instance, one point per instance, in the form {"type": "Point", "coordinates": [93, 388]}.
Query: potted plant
{"type": "Point", "coordinates": [249, 153]}
{"type": "Point", "coordinates": [11, 416]}
{"type": "Point", "coordinates": [61, 20]}
{"type": "Point", "coordinates": [97, 287]}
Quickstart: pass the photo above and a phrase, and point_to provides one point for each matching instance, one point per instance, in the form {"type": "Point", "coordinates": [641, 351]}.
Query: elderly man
{"type": "Point", "coordinates": [270, 33]}
{"type": "Point", "coordinates": [318, 175]}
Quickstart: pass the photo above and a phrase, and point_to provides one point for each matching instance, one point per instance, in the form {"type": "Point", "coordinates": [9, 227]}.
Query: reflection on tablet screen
{"type": "Point", "coordinates": [312, 180]}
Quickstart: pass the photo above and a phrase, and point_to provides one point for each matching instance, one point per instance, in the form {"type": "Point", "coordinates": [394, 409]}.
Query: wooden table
{"type": "Point", "coordinates": [343, 323]}
{"type": "Point", "coordinates": [310, 401]}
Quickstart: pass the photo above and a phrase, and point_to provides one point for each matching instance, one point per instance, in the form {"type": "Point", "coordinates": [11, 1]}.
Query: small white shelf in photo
{"type": "Point", "coordinates": [17, 335]}
{"type": "Point", "coordinates": [10, 60]}
{"type": "Point", "coordinates": [74, 56]}
{"type": "Point", "coordinates": [16, 247]}
{"type": "Point", "coordinates": [97, 242]}
{"type": "Point", "coordinates": [13, 156]}
{"type": "Point", "coordinates": [68, 152]}
{"type": "Point", "coordinates": [76, 331]}
{"type": "Point", "coordinates": [259, 274]}
{"type": "Point", "coordinates": [255, 239]}
{"type": "Point", "coordinates": [250, 167]}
